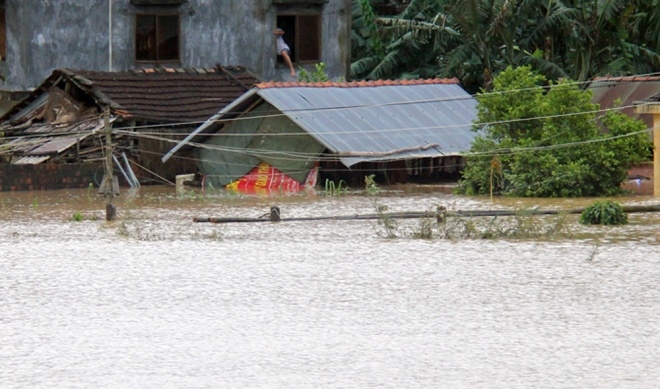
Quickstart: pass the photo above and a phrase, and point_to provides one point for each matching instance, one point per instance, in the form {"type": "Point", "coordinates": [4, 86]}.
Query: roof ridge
{"type": "Point", "coordinates": [159, 70]}
{"type": "Point", "coordinates": [626, 78]}
{"type": "Point", "coordinates": [355, 84]}
{"type": "Point", "coordinates": [167, 69]}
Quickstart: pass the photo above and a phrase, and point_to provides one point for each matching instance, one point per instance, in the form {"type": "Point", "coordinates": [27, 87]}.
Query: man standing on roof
{"type": "Point", "coordinates": [284, 50]}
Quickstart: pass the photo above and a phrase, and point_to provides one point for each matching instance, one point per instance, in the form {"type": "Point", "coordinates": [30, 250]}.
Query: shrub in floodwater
{"type": "Point", "coordinates": [370, 185]}
{"type": "Point", "coordinates": [425, 229]}
{"type": "Point", "coordinates": [388, 224]}
{"type": "Point", "coordinates": [77, 217]}
{"type": "Point", "coordinates": [605, 212]}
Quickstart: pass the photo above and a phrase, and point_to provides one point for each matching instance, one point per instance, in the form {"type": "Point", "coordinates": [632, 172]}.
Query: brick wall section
{"type": "Point", "coordinates": [49, 176]}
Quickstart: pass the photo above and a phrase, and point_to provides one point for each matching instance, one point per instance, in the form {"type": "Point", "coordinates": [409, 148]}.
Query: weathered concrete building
{"type": "Point", "coordinates": [39, 36]}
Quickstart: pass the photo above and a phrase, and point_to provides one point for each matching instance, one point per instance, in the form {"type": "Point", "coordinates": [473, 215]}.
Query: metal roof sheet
{"type": "Point", "coordinates": [369, 120]}
{"type": "Point", "coordinates": [24, 144]}
{"type": "Point", "coordinates": [49, 139]}
{"type": "Point", "coordinates": [31, 160]}
{"type": "Point", "coordinates": [381, 122]}
{"type": "Point", "coordinates": [57, 145]}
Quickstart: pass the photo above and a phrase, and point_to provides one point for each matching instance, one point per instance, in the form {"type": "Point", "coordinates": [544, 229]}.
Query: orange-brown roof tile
{"type": "Point", "coordinates": [169, 94]}
{"type": "Point", "coordinates": [627, 78]}
{"type": "Point", "coordinates": [355, 84]}
{"type": "Point", "coordinates": [157, 94]}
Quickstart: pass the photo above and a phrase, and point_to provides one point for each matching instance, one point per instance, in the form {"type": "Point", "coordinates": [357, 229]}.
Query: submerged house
{"type": "Point", "coordinates": [53, 138]}
{"type": "Point", "coordinates": [634, 95]}
{"type": "Point", "coordinates": [40, 36]}
{"type": "Point", "coordinates": [397, 130]}
{"type": "Point", "coordinates": [152, 62]}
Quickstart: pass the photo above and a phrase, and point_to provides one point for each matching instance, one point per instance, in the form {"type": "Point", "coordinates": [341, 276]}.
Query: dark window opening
{"type": "Point", "coordinates": [157, 38]}
{"type": "Point", "coordinates": [303, 35]}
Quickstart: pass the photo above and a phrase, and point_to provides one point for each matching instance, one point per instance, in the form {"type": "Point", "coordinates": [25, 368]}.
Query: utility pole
{"type": "Point", "coordinates": [110, 185]}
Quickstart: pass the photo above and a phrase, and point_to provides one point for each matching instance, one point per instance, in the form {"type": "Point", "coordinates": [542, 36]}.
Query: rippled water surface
{"type": "Point", "coordinates": [155, 300]}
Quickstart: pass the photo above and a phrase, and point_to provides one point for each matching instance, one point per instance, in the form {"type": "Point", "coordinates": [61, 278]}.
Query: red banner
{"type": "Point", "coordinates": [265, 179]}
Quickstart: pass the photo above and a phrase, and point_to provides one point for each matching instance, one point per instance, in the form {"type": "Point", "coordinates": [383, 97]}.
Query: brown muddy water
{"type": "Point", "coordinates": [153, 300]}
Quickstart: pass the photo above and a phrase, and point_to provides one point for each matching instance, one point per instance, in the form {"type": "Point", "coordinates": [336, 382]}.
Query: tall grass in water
{"type": "Point", "coordinates": [453, 226]}
{"type": "Point", "coordinates": [332, 189]}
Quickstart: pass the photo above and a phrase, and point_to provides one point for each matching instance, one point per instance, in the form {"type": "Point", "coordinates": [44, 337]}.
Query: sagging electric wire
{"type": "Point", "coordinates": [129, 132]}
{"type": "Point", "coordinates": [441, 99]}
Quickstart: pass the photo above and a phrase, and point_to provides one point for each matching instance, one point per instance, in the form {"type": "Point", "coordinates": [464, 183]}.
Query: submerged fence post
{"type": "Point", "coordinates": [440, 214]}
{"type": "Point", "coordinates": [275, 214]}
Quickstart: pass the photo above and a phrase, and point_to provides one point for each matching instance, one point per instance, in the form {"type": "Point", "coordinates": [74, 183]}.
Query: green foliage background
{"type": "Point", "coordinates": [474, 40]}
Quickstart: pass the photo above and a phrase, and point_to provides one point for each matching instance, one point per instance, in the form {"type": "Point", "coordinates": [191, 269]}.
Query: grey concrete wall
{"type": "Point", "coordinates": [43, 35]}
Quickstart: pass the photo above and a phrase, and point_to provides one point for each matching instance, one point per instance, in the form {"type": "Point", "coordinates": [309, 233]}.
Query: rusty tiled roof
{"type": "Point", "coordinates": [166, 94]}
{"type": "Point", "coordinates": [160, 95]}
{"type": "Point", "coordinates": [628, 79]}
{"type": "Point", "coordinates": [630, 90]}
{"type": "Point", "coordinates": [356, 84]}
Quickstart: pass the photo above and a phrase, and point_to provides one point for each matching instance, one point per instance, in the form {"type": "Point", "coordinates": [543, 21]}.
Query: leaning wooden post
{"type": "Point", "coordinates": [110, 210]}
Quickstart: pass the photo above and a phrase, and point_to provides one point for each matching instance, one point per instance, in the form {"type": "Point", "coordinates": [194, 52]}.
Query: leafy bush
{"type": "Point", "coordinates": [318, 75]}
{"type": "Point", "coordinates": [548, 142]}
{"type": "Point", "coordinates": [604, 212]}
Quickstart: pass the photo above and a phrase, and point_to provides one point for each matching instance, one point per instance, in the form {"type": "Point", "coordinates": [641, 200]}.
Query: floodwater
{"type": "Point", "coordinates": [153, 300]}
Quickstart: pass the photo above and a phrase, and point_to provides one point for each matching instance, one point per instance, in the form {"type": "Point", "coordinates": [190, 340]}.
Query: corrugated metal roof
{"type": "Point", "coordinates": [57, 145]}
{"type": "Point", "coordinates": [23, 145]}
{"type": "Point", "coordinates": [372, 120]}
{"type": "Point", "coordinates": [50, 139]}
{"type": "Point", "coordinates": [630, 90]}
{"type": "Point", "coordinates": [31, 160]}
{"type": "Point", "coordinates": [382, 122]}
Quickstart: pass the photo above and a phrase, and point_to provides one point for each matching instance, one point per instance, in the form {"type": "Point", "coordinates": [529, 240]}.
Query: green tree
{"type": "Point", "coordinates": [474, 40]}
{"type": "Point", "coordinates": [600, 38]}
{"type": "Point", "coordinates": [394, 47]}
{"type": "Point", "coordinates": [549, 141]}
